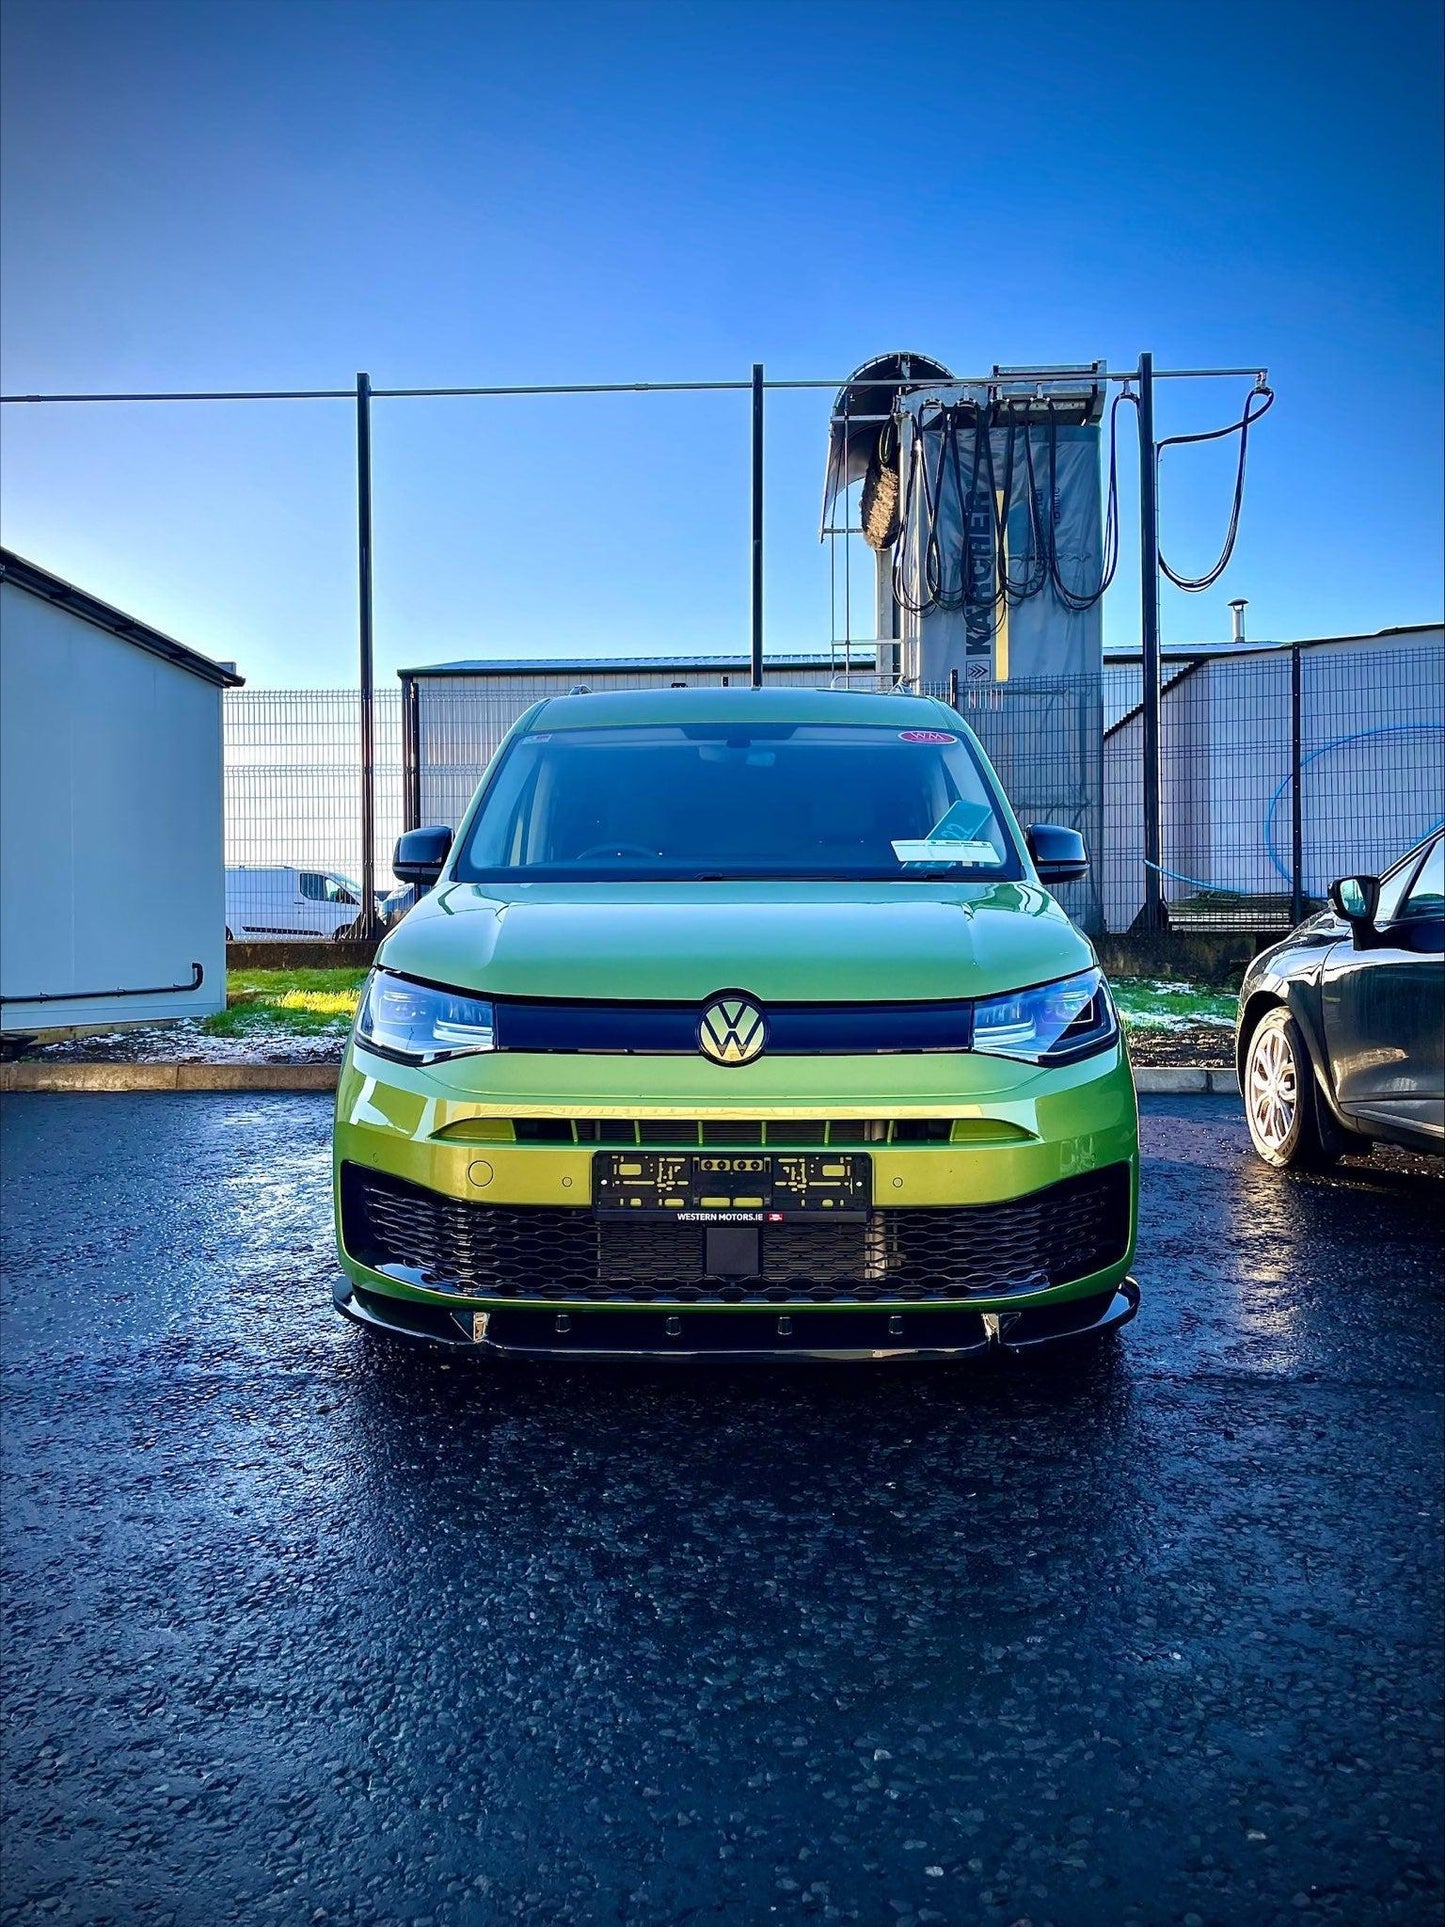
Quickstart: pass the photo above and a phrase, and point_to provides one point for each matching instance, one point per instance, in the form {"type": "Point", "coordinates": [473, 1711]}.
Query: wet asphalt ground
{"type": "Point", "coordinates": [304, 1627]}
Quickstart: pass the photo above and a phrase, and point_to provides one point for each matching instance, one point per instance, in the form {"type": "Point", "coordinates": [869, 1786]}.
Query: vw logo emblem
{"type": "Point", "coordinates": [732, 1030]}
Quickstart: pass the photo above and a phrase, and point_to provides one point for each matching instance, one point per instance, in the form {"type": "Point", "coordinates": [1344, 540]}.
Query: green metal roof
{"type": "Point", "coordinates": [617, 708]}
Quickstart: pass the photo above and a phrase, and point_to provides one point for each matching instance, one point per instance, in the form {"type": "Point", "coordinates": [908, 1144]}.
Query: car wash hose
{"type": "Point", "coordinates": [1272, 808]}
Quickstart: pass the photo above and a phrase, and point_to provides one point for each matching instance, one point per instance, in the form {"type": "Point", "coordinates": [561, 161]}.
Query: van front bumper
{"type": "Point", "coordinates": [691, 1336]}
{"type": "Point", "coordinates": [465, 1194]}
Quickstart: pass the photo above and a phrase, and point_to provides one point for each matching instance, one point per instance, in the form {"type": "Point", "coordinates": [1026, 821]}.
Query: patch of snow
{"type": "Point", "coordinates": [1174, 1020]}
{"type": "Point", "coordinates": [184, 1042]}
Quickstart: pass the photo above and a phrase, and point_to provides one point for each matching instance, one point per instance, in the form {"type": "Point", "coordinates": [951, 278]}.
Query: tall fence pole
{"type": "Point", "coordinates": [1296, 786]}
{"type": "Point", "coordinates": [410, 754]}
{"type": "Point", "coordinates": [1149, 646]}
{"type": "Point", "coordinates": [757, 525]}
{"type": "Point", "coordinates": [367, 922]}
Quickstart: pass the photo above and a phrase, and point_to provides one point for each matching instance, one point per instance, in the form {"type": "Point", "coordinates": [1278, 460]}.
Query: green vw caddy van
{"type": "Point", "coordinates": [737, 1023]}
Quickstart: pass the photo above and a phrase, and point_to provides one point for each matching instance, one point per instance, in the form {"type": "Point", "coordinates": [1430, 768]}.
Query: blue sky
{"type": "Point", "coordinates": [200, 194]}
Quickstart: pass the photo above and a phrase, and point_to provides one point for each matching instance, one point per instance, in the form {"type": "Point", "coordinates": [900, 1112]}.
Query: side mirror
{"type": "Point", "coordinates": [1058, 853]}
{"type": "Point", "coordinates": [1356, 899]}
{"type": "Point", "coordinates": [420, 855]}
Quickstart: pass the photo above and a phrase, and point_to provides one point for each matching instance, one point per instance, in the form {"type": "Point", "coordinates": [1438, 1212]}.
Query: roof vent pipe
{"type": "Point", "coordinates": [1237, 609]}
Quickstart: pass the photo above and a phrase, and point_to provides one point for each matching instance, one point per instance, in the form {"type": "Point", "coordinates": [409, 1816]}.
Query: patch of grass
{"type": "Point", "coordinates": [271, 983]}
{"type": "Point", "coordinates": [304, 1002]}
{"type": "Point", "coordinates": [309, 1003]}
{"type": "Point", "coordinates": [1156, 1004]}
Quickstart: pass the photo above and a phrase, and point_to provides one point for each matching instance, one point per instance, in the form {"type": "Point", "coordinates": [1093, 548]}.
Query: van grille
{"type": "Point", "coordinates": [540, 1255]}
{"type": "Point", "coordinates": [682, 1131]}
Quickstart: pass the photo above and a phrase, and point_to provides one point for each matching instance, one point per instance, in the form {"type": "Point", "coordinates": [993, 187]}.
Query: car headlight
{"type": "Point", "coordinates": [421, 1023]}
{"type": "Point", "coordinates": [1050, 1024]}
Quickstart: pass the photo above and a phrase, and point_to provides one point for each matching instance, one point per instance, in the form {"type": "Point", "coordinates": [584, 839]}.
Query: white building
{"type": "Point", "coordinates": [112, 885]}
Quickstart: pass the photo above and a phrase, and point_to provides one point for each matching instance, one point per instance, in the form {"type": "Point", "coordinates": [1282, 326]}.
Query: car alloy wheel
{"type": "Point", "coordinates": [1281, 1106]}
{"type": "Point", "coordinates": [1273, 1087]}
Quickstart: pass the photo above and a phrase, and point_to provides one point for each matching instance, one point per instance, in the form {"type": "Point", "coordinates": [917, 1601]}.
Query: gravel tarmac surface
{"type": "Point", "coordinates": [305, 1627]}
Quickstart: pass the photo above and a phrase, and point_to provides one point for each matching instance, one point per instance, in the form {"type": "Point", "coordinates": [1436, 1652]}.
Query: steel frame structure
{"type": "Point", "coordinates": [363, 394]}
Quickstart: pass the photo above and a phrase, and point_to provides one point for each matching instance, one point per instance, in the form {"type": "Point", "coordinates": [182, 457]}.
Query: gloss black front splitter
{"type": "Point", "coordinates": [686, 1333]}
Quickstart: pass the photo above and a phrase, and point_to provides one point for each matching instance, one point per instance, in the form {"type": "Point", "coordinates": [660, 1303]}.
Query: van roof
{"type": "Point", "coordinates": [715, 704]}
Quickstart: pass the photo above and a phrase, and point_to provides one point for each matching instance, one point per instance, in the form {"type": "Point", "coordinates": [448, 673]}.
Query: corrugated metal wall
{"type": "Point", "coordinates": [461, 719]}
{"type": "Point", "coordinates": [1372, 731]}
{"type": "Point", "coordinates": [110, 861]}
{"type": "Point", "coordinates": [1371, 776]}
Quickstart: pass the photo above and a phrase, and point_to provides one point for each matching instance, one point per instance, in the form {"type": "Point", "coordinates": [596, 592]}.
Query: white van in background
{"type": "Point", "coordinates": [265, 905]}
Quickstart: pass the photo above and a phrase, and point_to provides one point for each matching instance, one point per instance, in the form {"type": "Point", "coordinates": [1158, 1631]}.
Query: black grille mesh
{"type": "Point", "coordinates": [538, 1255]}
{"type": "Point", "coordinates": [677, 1131]}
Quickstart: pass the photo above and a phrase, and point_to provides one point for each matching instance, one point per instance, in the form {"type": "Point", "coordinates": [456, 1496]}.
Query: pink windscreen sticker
{"type": "Point", "coordinates": [925, 736]}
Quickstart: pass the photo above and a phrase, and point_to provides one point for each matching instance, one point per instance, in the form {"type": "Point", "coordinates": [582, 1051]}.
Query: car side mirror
{"type": "Point", "coordinates": [420, 855]}
{"type": "Point", "coordinates": [1058, 853]}
{"type": "Point", "coordinates": [1356, 899]}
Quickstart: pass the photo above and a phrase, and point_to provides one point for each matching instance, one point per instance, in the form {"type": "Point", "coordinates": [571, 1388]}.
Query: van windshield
{"type": "Point", "coordinates": [715, 801]}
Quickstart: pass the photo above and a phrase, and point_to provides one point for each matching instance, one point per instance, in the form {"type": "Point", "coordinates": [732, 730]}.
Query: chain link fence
{"type": "Point", "coordinates": [1281, 769]}
{"type": "Point", "coordinates": [293, 809]}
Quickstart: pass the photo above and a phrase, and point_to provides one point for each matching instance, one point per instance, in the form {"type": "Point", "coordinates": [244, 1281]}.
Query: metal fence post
{"type": "Point", "coordinates": [1149, 647]}
{"type": "Point", "coordinates": [757, 525]}
{"type": "Point", "coordinates": [410, 754]}
{"type": "Point", "coordinates": [953, 688]}
{"type": "Point", "coordinates": [367, 922]}
{"type": "Point", "coordinates": [1099, 855]}
{"type": "Point", "coordinates": [1296, 784]}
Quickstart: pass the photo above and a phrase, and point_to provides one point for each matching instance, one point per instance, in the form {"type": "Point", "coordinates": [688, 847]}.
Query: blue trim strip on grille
{"type": "Point", "coordinates": [793, 1030]}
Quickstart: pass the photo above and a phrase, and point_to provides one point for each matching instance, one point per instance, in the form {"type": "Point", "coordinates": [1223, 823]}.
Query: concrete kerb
{"type": "Point", "coordinates": [1151, 1080]}
{"type": "Point", "coordinates": [168, 1077]}
{"type": "Point", "coordinates": [1184, 1080]}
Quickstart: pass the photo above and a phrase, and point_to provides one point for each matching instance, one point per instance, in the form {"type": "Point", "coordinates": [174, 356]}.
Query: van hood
{"type": "Point", "coordinates": [781, 942]}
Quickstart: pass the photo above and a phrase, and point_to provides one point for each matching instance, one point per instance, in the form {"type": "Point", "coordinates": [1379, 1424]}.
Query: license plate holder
{"type": "Point", "coordinates": [738, 1187]}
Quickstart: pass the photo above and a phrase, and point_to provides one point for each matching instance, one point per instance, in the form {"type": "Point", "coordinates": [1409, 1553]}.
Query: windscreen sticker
{"type": "Point", "coordinates": [924, 849]}
{"type": "Point", "coordinates": [925, 736]}
{"type": "Point", "coordinates": [955, 839]}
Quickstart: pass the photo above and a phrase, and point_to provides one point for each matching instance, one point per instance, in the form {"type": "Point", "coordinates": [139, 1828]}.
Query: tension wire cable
{"type": "Point", "coordinates": [591, 387]}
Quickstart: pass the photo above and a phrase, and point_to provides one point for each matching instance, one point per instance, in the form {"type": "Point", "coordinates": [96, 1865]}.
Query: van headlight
{"type": "Point", "coordinates": [422, 1023]}
{"type": "Point", "coordinates": [1050, 1024]}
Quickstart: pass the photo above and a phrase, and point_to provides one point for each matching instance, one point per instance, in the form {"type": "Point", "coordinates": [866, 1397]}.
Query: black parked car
{"type": "Point", "coordinates": [1341, 1036]}
{"type": "Point", "coordinates": [395, 904]}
